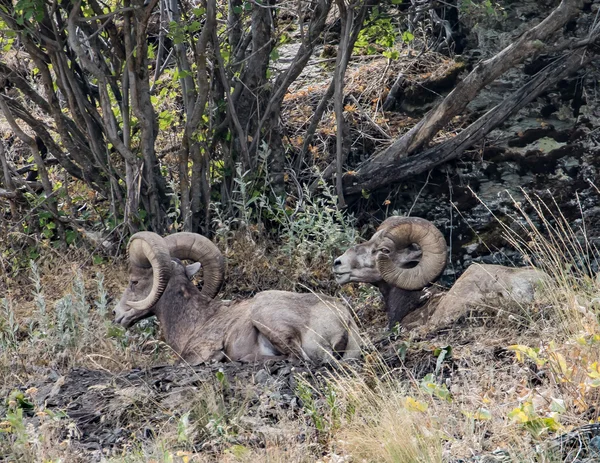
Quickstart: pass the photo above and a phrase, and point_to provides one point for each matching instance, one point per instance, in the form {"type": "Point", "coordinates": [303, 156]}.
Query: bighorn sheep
{"type": "Point", "coordinates": [273, 324]}
{"type": "Point", "coordinates": [402, 257]}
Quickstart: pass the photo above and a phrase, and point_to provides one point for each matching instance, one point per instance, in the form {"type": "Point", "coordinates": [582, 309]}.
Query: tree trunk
{"type": "Point", "coordinates": [529, 44]}
{"type": "Point", "coordinates": [476, 132]}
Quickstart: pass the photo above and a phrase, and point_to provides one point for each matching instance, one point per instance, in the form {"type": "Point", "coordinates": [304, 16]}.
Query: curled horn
{"type": "Point", "coordinates": [404, 231]}
{"type": "Point", "coordinates": [198, 248]}
{"type": "Point", "coordinates": [147, 249]}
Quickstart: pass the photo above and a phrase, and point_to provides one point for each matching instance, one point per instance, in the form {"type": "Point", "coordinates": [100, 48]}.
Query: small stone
{"type": "Point", "coordinates": [595, 444]}
{"type": "Point", "coordinates": [261, 376]}
{"type": "Point", "coordinates": [471, 248]}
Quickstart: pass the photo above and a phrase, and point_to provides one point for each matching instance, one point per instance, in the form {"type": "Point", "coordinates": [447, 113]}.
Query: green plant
{"type": "Point", "coordinates": [305, 392]}
{"type": "Point", "coordinates": [72, 318]}
{"type": "Point", "coordinates": [19, 441]}
{"type": "Point", "coordinates": [537, 425]}
{"type": "Point", "coordinates": [379, 33]}
{"type": "Point", "coordinates": [432, 387]}
{"type": "Point", "coordinates": [311, 233]}
{"type": "Point", "coordinates": [40, 300]}
{"type": "Point", "coordinates": [8, 325]}
{"type": "Point", "coordinates": [475, 12]}
{"type": "Point", "coordinates": [316, 228]}
{"type": "Point", "coordinates": [102, 300]}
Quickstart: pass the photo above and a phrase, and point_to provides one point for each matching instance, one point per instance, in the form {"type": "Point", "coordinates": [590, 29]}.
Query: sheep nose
{"type": "Point", "coordinates": [337, 262]}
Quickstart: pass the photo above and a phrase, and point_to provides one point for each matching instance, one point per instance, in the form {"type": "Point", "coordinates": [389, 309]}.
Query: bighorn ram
{"type": "Point", "coordinates": [201, 328]}
{"type": "Point", "coordinates": [402, 257]}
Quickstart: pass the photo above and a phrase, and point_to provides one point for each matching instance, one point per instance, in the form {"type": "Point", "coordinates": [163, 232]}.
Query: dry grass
{"type": "Point", "coordinates": [512, 376]}
{"type": "Point", "coordinates": [385, 424]}
{"type": "Point", "coordinates": [61, 324]}
{"type": "Point", "coordinates": [560, 247]}
{"type": "Point", "coordinates": [367, 84]}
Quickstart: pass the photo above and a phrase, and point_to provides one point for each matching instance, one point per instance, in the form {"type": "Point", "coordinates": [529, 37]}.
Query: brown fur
{"type": "Point", "coordinates": [361, 263]}
{"type": "Point", "coordinates": [273, 324]}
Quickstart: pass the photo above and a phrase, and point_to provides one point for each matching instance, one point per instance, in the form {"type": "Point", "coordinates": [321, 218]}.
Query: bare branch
{"type": "Point", "coordinates": [529, 44]}
{"type": "Point", "coordinates": [476, 132]}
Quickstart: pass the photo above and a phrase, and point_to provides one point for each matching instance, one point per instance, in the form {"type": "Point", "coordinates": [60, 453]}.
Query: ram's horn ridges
{"type": "Point", "coordinates": [198, 248]}
{"type": "Point", "coordinates": [405, 231]}
{"type": "Point", "coordinates": [147, 249]}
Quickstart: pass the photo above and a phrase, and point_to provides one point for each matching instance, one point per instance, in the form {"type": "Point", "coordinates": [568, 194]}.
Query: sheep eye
{"type": "Point", "coordinates": [384, 250]}
{"type": "Point", "coordinates": [134, 283]}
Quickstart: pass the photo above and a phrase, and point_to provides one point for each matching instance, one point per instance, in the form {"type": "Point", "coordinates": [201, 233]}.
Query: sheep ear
{"type": "Point", "coordinates": [191, 270]}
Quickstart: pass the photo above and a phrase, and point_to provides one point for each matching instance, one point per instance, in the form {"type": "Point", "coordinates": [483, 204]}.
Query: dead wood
{"type": "Point", "coordinates": [531, 43]}
{"type": "Point", "coordinates": [7, 194]}
{"type": "Point", "coordinates": [475, 133]}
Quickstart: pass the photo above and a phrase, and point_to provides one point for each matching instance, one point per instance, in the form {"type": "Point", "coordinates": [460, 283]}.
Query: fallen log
{"type": "Point", "coordinates": [396, 170]}
{"type": "Point", "coordinates": [530, 44]}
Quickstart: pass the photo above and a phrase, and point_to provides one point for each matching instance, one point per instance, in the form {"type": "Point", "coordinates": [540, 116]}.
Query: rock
{"type": "Point", "coordinates": [595, 445]}
{"type": "Point", "coordinates": [485, 283]}
{"type": "Point", "coordinates": [262, 376]}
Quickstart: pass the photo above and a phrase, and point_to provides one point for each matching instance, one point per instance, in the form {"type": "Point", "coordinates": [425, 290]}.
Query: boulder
{"type": "Point", "coordinates": [479, 284]}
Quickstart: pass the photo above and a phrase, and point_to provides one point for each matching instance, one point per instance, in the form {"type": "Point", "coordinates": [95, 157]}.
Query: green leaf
{"type": "Point", "coordinates": [558, 406]}
{"type": "Point", "coordinates": [441, 354]}
{"type": "Point", "coordinates": [429, 385]}
{"type": "Point", "coordinates": [221, 378]}
{"type": "Point", "coordinates": [70, 236]}
{"type": "Point", "coordinates": [115, 331]}
{"type": "Point", "coordinates": [194, 26]}
{"type": "Point", "coordinates": [407, 37]}
{"type": "Point", "coordinates": [482, 414]}
{"type": "Point", "coordinates": [182, 74]}
{"type": "Point", "coordinates": [392, 55]}
{"type": "Point", "coordinates": [402, 351]}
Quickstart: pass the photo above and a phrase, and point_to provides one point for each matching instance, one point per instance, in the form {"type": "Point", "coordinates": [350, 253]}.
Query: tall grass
{"type": "Point", "coordinates": [75, 329]}
{"type": "Point", "coordinates": [383, 423]}
{"type": "Point", "coordinates": [560, 247]}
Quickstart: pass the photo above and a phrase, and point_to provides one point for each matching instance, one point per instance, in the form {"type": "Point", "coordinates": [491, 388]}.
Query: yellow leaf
{"type": "Point", "coordinates": [594, 372]}
{"type": "Point", "coordinates": [414, 405]}
{"type": "Point", "coordinates": [562, 366]}
{"type": "Point", "coordinates": [185, 456]}
{"type": "Point", "coordinates": [518, 415]}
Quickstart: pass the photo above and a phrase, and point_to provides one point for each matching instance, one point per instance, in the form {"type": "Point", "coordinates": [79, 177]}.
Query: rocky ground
{"type": "Point", "coordinates": [216, 407]}
{"type": "Point", "coordinates": [549, 151]}
{"type": "Point", "coordinates": [547, 154]}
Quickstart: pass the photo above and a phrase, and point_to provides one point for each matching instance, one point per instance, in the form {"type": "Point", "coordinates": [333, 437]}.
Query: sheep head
{"type": "Point", "coordinates": [405, 252]}
{"type": "Point", "coordinates": [155, 261]}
